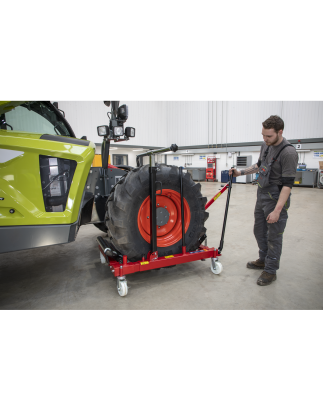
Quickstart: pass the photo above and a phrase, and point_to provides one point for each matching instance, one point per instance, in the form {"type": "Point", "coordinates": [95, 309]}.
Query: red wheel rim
{"type": "Point", "coordinates": [171, 232]}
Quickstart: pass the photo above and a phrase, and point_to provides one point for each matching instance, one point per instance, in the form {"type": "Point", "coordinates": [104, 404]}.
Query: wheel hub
{"type": "Point", "coordinates": [162, 216]}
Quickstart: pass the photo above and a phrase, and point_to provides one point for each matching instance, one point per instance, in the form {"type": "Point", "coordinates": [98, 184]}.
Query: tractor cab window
{"type": "Point", "coordinates": [36, 117]}
{"type": "Point", "coordinates": [120, 159]}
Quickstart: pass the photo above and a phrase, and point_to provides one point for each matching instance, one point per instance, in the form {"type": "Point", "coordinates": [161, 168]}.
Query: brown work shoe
{"type": "Point", "coordinates": [256, 265]}
{"type": "Point", "coordinates": [266, 278]}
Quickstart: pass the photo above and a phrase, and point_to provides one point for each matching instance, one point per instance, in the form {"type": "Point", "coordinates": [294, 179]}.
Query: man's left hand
{"type": "Point", "coordinates": [273, 217]}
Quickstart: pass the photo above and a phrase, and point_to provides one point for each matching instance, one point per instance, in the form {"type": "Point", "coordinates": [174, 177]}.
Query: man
{"type": "Point", "coordinates": [277, 165]}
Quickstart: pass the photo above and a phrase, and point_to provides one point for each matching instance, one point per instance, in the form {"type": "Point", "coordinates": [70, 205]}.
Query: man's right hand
{"type": "Point", "coordinates": [236, 173]}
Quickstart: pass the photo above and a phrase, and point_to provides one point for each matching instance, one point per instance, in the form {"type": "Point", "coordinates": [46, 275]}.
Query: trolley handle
{"type": "Point", "coordinates": [226, 213]}
{"type": "Point", "coordinates": [216, 196]}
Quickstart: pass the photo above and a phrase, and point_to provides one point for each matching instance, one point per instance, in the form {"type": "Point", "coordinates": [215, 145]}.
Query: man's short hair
{"type": "Point", "coordinates": [274, 122]}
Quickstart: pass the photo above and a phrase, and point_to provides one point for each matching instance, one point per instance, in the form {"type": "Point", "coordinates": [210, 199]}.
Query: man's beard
{"type": "Point", "coordinates": [273, 142]}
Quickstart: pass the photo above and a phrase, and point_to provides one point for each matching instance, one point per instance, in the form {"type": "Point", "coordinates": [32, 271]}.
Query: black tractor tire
{"type": "Point", "coordinates": [127, 197]}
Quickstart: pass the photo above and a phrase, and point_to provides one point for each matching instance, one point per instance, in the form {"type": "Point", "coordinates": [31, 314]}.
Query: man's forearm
{"type": "Point", "coordinates": [283, 197]}
{"type": "Point", "coordinates": [250, 170]}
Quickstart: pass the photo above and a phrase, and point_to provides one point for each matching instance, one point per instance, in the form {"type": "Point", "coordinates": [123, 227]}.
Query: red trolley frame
{"type": "Point", "coordinates": [151, 263]}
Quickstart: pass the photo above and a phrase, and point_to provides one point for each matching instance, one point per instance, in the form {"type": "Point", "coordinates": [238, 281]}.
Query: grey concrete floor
{"type": "Point", "coordinates": [70, 276]}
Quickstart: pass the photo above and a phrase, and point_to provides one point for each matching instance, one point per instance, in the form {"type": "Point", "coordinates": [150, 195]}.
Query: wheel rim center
{"type": "Point", "coordinates": [162, 216]}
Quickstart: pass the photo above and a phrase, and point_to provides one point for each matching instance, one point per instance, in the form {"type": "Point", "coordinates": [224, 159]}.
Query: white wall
{"type": "Point", "coordinates": [212, 123]}
{"type": "Point", "coordinates": [242, 120]}
{"type": "Point", "coordinates": [148, 118]}
{"type": "Point", "coordinates": [187, 122]}
{"type": "Point", "coordinates": [302, 119]}
{"type": "Point", "coordinates": [194, 123]}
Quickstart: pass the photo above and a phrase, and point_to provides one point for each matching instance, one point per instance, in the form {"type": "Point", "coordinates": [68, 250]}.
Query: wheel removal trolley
{"type": "Point", "coordinates": [121, 267]}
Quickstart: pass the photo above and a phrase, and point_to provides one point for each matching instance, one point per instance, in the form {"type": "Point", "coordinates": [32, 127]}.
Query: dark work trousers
{"type": "Point", "coordinates": [269, 236]}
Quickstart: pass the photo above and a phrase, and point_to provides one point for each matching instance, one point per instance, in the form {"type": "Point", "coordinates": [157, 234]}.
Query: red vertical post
{"type": "Point", "coordinates": [124, 260]}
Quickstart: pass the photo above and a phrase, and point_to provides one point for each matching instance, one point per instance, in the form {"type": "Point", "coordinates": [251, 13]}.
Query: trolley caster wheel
{"type": "Point", "coordinates": [216, 267]}
{"type": "Point", "coordinates": [122, 287]}
{"type": "Point", "coordinates": [102, 258]}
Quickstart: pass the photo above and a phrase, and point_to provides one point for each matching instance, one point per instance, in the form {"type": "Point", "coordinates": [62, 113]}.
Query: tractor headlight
{"type": "Point", "coordinates": [103, 131]}
{"type": "Point", "coordinates": [130, 132]}
{"type": "Point", "coordinates": [118, 131]}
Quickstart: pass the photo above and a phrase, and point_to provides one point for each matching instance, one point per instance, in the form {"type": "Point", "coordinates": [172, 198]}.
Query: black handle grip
{"type": "Point", "coordinates": [231, 176]}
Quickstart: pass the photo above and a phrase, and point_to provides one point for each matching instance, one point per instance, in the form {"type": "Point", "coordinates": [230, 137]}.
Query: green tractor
{"type": "Point", "coordinates": [47, 187]}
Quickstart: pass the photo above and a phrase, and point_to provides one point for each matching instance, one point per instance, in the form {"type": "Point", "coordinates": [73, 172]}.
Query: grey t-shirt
{"type": "Point", "coordinates": [286, 163]}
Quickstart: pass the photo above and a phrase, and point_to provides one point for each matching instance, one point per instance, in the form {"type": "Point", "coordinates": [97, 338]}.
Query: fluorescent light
{"type": "Point", "coordinates": [139, 149]}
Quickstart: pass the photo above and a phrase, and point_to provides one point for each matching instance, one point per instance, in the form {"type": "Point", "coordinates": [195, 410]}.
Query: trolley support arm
{"type": "Point", "coordinates": [153, 214]}
{"type": "Point", "coordinates": [182, 209]}
{"type": "Point", "coordinates": [217, 196]}
{"type": "Point", "coordinates": [226, 214]}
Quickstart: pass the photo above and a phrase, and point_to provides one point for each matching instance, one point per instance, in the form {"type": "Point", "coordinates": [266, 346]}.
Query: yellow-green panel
{"type": "Point", "coordinates": [20, 183]}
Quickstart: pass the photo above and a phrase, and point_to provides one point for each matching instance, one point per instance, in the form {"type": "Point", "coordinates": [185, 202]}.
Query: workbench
{"type": "Point", "coordinates": [306, 177]}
